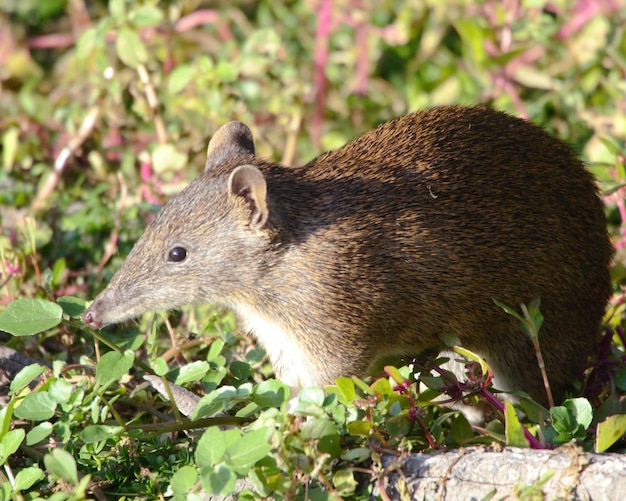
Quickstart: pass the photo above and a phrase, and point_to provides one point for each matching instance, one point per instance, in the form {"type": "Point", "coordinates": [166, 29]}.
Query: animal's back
{"type": "Point", "coordinates": [434, 215]}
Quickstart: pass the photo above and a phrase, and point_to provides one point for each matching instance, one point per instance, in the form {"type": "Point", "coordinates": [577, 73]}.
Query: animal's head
{"type": "Point", "coordinates": [206, 244]}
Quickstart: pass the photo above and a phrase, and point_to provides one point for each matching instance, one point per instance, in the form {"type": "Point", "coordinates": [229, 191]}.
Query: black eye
{"type": "Point", "coordinates": [177, 254]}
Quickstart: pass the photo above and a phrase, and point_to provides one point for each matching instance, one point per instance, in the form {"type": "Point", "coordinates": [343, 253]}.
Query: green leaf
{"type": "Point", "coordinates": [435, 383]}
{"type": "Point", "coordinates": [25, 376]}
{"type": "Point", "coordinates": [130, 49]}
{"type": "Point", "coordinates": [359, 428]}
{"type": "Point", "coordinates": [344, 482]}
{"type": "Point", "coordinates": [58, 269]}
{"type": "Point", "coordinates": [472, 356]}
{"type": "Point", "coordinates": [311, 396]}
{"type": "Point", "coordinates": [9, 147]}
{"type": "Point", "coordinates": [533, 315]}
{"type": "Point", "coordinates": [263, 41]}
{"type": "Point", "coordinates": [357, 455]}
{"type": "Point", "coordinates": [27, 477]}
{"type": "Point", "coordinates": [72, 306]}
{"type": "Point", "coordinates": [60, 391]}
{"type": "Point", "coordinates": [270, 393]}
{"type": "Point", "coordinates": [117, 8]}
{"type": "Point", "coordinates": [571, 419]}
{"type": "Point", "coordinates": [212, 446]}
{"type": "Point", "coordinates": [562, 420]}
{"type": "Point", "coordinates": [325, 432]}
{"type": "Point", "coordinates": [255, 356]}
{"type": "Point", "coordinates": [6, 415]}
{"type": "Point", "coordinates": [620, 379]}
{"type": "Point", "coordinates": [247, 450]}
{"type": "Point", "coordinates": [36, 407]}
{"type": "Point", "coordinates": [184, 479]}
{"type": "Point", "coordinates": [25, 317]}
{"type": "Point", "coordinates": [581, 409]}
{"type": "Point", "coordinates": [166, 157]}
{"type": "Point", "coordinates": [514, 431]}
{"type": "Point", "coordinates": [218, 480]}
{"type": "Point", "coordinates": [610, 431]}
{"type": "Point", "coordinates": [216, 401]}
{"type": "Point", "coordinates": [508, 309]}
{"type": "Point", "coordinates": [240, 370]}
{"type": "Point", "coordinates": [210, 457]}
{"type": "Point", "coordinates": [346, 386]}
{"type": "Point", "coordinates": [88, 41]}
{"type": "Point", "coordinates": [62, 464]}
{"type": "Point", "coordinates": [39, 433]}
{"type": "Point", "coordinates": [146, 15]}
{"type": "Point", "coordinates": [112, 366]}
{"type": "Point", "coordinates": [10, 443]}
{"type": "Point", "coordinates": [574, 413]}
{"type": "Point", "coordinates": [319, 494]}
{"type": "Point", "coordinates": [180, 77]}
{"type": "Point", "coordinates": [215, 351]}
{"type": "Point", "coordinates": [610, 145]}
{"type": "Point", "coordinates": [192, 372]}
{"type": "Point", "coordinates": [160, 367]}
{"type": "Point", "coordinates": [395, 374]}
{"type": "Point", "coordinates": [362, 385]}
{"type": "Point", "coordinates": [214, 378]}
{"type": "Point", "coordinates": [531, 318]}
{"type": "Point", "coordinates": [473, 36]}
{"type": "Point", "coordinates": [460, 429]}
{"type": "Point", "coordinates": [99, 432]}
{"type": "Point", "coordinates": [382, 386]}
{"type": "Point", "coordinates": [268, 478]}
{"type": "Point", "coordinates": [225, 71]}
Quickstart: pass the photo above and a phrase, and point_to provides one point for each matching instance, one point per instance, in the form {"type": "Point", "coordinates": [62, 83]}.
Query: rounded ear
{"type": "Point", "coordinates": [248, 182]}
{"type": "Point", "coordinates": [230, 140]}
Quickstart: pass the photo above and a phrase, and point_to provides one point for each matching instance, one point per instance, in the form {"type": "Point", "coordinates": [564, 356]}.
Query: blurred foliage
{"type": "Point", "coordinates": [106, 109]}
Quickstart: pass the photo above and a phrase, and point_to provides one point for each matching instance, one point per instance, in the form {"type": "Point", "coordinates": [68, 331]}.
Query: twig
{"type": "Point", "coordinates": [184, 425]}
{"type": "Point", "coordinates": [66, 153]}
{"type": "Point", "coordinates": [153, 102]}
{"type": "Point", "coordinates": [111, 245]}
{"type": "Point", "coordinates": [289, 153]}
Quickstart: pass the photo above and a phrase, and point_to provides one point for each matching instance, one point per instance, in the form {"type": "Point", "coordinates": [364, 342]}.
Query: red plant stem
{"type": "Point", "coordinates": [360, 31]}
{"type": "Point", "coordinates": [498, 405]}
{"type": "Point", "coordinates": [402, 388]}
{"type": "Point", "coordinates": [491, 399]}
{"type": "Point", "coordinates": [51, 41]}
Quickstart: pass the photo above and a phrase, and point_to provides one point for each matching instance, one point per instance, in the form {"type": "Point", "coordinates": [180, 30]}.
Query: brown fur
{"type": "Point", "coordinates": [375, 249]}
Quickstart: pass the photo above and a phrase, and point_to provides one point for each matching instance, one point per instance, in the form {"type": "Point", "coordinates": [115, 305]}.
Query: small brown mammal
{"type": "Point", "coordinates": [377, 248]}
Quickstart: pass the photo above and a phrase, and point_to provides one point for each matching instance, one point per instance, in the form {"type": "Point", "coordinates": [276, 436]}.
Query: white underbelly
{"type": "Point", "coordinates": [290, 362]}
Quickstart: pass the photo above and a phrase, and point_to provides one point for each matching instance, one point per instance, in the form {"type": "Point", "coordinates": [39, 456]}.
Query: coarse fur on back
{"type": "Point", "coordinates": [380, 247]}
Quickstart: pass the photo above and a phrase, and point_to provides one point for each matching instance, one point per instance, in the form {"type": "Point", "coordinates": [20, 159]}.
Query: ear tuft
{"type": "Point", "coordinates": [248, 182]}
{"type": "Point", "coordinates": [230, 140]}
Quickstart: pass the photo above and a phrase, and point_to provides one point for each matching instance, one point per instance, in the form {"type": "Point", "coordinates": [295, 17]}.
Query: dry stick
{"type": "Point", "coordinates": [544, 373]}
{"type": "Point", "coordinates": [111, 245]}
{"type": "Point", "coordinates": [330, 489]}
{"type": "Point", "coordinates": [381, 487]}
{"type": "Point", "coordinates": [289, 154]}
{"type": "Point", "coordinates": [66, 153]}
{"type": "Point", "coordinates": [175, 350]}
{"type": "Point", "coordinates": [153, 102]}
{"type": "Point", "coordinates": [170, 331]}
